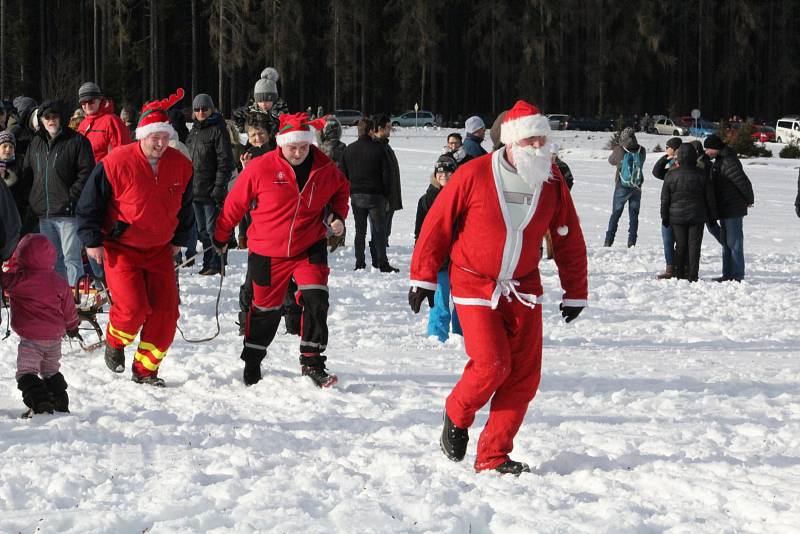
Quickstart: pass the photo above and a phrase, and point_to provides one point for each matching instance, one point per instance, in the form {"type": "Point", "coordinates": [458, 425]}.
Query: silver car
{"type": "Point", "coordinates": [414, 118]}
{"type": "Point", "coordinates": [667, 126]}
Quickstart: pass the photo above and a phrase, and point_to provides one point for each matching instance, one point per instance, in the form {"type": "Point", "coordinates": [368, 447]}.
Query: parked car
{"type": "Point", "coordinates": [667, 126]}
{"type": "Point", "coordinates": [787, 130]}
{"type": "Point", "coordinates": [414, 118]}
{"type": "Point", "coordinates": [348, 117]}
{"type": "Point", "coordinates": [764, 134]}
{"type": "Point", "coordinates": [700, 127]}
{"type": "Point", "coordinates": [558, 121]}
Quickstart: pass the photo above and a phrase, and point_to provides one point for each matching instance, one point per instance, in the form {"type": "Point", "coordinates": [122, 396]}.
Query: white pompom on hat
{"type": "Point", "coordinates": [522, 121]}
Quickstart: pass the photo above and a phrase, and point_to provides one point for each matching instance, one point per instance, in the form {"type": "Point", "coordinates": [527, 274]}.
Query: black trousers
{"type": "Point", "coordinates": [372, 208]}
{"type": "Point", "coordinates": [688, 238]}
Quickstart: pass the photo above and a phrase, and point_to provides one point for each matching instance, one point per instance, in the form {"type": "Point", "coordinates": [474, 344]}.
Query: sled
{"type": "Point", "coordinates": [91, 294]}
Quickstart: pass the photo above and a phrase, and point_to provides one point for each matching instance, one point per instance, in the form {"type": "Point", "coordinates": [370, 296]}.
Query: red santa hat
{"type": "Point", "coordinates": [153, 117]}
{"type": "Point", "coordinates": [522, 121]}
{"type": "Point", "coordinates": [296, 128]}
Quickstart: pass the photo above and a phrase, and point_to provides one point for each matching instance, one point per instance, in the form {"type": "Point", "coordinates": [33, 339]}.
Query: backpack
{"type": "Point", "coordinates": [630, 172]}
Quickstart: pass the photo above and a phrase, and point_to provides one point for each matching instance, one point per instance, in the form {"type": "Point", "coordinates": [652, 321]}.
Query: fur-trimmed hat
{"type": "Point", "coordinates": [296, 128]}
{"type": "Point", "coordinates": [522, 121]}
{"type": "Point", "coordinates": [154, 118]}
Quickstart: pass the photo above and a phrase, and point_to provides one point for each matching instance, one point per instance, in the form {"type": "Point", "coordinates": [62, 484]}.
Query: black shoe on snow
{"type": "Point", "coordinates": [512, 468]}
{"type": "Point", "coordinates": [360, 265]}
{"type": "Point", "coordinates": [252, 373]}
{"type": "Point", "coordinates": [57, 386]}
{"type": "Point", "coordinates": [386, 268]}
{"type": "Point", "coordinates": [35, 394]}
{"type": "Point", "coordinates": [209, 271]}
{"type": "Point", "coordinates": [314, 368]}
{"type": "Point", "coordinates": [115, 359]}
{"type": "Point", "coordinates": [453, 440]}
{"type": "Point", "coordinates": [148, 380]}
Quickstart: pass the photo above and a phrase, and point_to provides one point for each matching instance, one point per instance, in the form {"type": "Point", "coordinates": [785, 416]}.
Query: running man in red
{"type": "Point", "coordinates": [288, 189]}
{"type": "Point", "coordinates": [490, 221]}
{"type": "Point", "coordinates": [133, 216]}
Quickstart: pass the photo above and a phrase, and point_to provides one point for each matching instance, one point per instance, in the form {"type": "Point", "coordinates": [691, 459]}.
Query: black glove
{"type": "Point", "coordinates": [218, 194]}
{"type": "Point", "coordinates": [336, 241]}
{"type": "Point", "coordinates": [220, 247]}
{"type": "Point", "coordinates": [570, 313]}
{"type": "Point", "coordinates": [665, 223]}
{"type": "Point", "coordinates": [797, 209]}
{"type": "Point", "coordinates": [74, 334]}
{"type": "Point", "coordinates": [416, 295]}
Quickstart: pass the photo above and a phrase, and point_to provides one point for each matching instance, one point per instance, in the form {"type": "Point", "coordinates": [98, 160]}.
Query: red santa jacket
{"type": "Point", "coordinates": [124, 201]}
{"type": "Point", "coordinates": [285, 220]}
{"type": "Point", "coordinates": [489, 259]}
{"type": "Point", "coordinates": [104, 130]}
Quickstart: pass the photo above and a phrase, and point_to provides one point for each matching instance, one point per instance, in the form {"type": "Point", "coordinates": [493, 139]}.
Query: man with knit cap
{"type": "Point", "coordinates": [287, 191]}
{"type": "Point", "coordinates": [665, 163]}
{"type": "Point", "coordinates": [490, 221]}
{"type": "Point", "coordinates": [734, 195]}
{"type": "Point", "coordinates": [212, 159]}
{"type": "Point", "coordinates": [628, 157]}
{"type": "Point", "coordinates": [134, 214]}
{"type": "Point", "coordinates": [476, 131]}
{"type": "Point", "coordinates": [101, 126]}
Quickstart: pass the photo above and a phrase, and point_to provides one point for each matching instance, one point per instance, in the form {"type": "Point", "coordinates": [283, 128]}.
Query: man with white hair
{"type": "Point", "coordinates": [133, 216]}
{"type": "Point", "coordinates": [490, 221]}
{"type": "Point", "coordinates": [287, 191]}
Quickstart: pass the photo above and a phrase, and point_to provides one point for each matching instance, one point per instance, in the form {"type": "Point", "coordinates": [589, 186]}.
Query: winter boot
{"type": "Point", "coordinates": [313, 367]}
{"type": "Point", "coordinates": [512, 468]}
{"type": "Point", "coordinates": [115, 358]}
{"type": "Point", "coordinates": [387, 268]}
{"type": "Point", "coordinates": [631, 243]}
{"type": "Point", "coordinates": [608, 242]}
{"type": "Point", "coordinates": [454, 440]}
{"type": "Point", "coordinates": [668, 273]}
{"type": "Point", "coordinates": [58, 391]}
{"type": "Point", "coordinates": [35, 394]}
{"type": "Point", "coordinates": [252, 372]}
{"type": "Point", "coordinates": [147, 379]}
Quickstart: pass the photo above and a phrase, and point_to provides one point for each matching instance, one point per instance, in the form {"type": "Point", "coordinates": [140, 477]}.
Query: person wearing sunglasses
{"type": "Point", "coordinates": [212, 159]}
{"type": "Point", "coordinates": [100, 125]}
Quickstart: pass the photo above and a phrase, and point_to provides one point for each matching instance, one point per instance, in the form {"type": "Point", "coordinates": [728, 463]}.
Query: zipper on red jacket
{"type": "Point", "coordinates": [311, 175]}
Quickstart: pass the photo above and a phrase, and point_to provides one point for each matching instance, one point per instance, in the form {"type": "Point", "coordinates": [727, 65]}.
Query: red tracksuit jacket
{"type": "Point", "coordinates": [286, 221]}
{"type": "Point", "coordinates": [104, 130]}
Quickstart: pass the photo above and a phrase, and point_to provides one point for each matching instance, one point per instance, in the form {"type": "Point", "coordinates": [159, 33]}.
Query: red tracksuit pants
{"type": "Point", "coordinates": [504, 346]}
{"type": "Point", "coordinates": [144, 296]}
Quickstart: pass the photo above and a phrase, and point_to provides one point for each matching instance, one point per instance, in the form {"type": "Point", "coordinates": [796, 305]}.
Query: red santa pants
{"type": "Point", "coordinates": [144, 296]}
{"type": "Point", "coordinates": [504, 346]}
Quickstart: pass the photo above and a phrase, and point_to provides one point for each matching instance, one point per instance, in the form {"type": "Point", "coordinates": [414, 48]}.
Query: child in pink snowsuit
{"type": "Point", "coordinates": [42, 309]}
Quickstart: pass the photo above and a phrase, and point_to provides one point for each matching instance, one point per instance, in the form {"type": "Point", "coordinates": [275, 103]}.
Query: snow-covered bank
{"type": "Point", "coordinates": [665, 407]}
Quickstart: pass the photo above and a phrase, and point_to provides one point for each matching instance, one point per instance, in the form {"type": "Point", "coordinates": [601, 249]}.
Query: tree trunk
{"type": "Point", "coordinates": [43, 46]}
{"type": "Point", "coordinates": [363, 62]}
{"type": "Point", "coordinates": [153, 46]}
{"type": "Point", "coordinates": [195, 59]}
{"type": "Point", "coordinates": [335, 55]}
{"type": "Point", "coordinates": [220, 55]}
{"type": "Point", "coordinates": [96, 68]}
{"type": "Point", "coordinates": [2, 48]}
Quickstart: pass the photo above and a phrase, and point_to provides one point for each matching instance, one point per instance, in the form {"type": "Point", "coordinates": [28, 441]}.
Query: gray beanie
{"type": "Point", "coordinates": [7, 137]}
{"type": "Point", "coordinates": [89, 91]}
{"type": "Point", "coordinates": [266, 89]}
{"type": "Point", "coordinates": [203, 101]}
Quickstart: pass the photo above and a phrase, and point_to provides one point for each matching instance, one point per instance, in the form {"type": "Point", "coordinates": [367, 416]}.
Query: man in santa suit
{"type": "Point", "coordinates": [490, 221]}
{"type": "Point", "coordinates": [287, 191]}
{"type": "Point", "coordinates": [134, 214]}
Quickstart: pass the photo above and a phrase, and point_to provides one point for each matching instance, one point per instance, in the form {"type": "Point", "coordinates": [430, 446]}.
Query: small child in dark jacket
{"type": "Point", "coordinates": [687, 202]}
{"type": "Point", "coordinates": [42, 309]}
{"type": "Point", "coordinates": [440, 316]}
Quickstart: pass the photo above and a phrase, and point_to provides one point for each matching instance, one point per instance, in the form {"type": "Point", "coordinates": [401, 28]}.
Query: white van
{"type": "Point", "coordinates": [788, 129]}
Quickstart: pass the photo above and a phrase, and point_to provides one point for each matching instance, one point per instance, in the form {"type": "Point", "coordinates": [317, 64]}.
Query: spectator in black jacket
{"type": "Point", "coordinates": [212, 161]}
{"type": "Point", "coordinates": [687, 202]}
{"type": "Point", "coordinates": [734, 194]}
{"type": "Point", "coordinates": [20, 124]}
{"type": "Point", "coordinates": [366, 165]}
{"type": "Point", "coordinates": [665, 163]}
{"type": "Point", "coordinates": [394, 200]}
{"type": "Point", "coordinates": [12, 176]}
{"type": "Point", "coordinates": [9, 223]}
{"type": "Point", "coordinates": [56, 167]}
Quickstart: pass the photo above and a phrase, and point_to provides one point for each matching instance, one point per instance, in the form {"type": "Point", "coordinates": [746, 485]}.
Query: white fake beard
{"type": "Point", "coordinates": [533, 164]}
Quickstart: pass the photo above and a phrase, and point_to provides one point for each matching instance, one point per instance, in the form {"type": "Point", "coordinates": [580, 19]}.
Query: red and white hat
{"type": "Point", "coordinates": [153, 117]}
{"type": "Point", "coordinates": [296, 128]}
{"type": "Point", "coordinates": [522, 121]}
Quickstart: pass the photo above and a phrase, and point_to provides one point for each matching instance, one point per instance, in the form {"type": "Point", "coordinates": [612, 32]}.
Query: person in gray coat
{"type": "Point", "coordinates": [627, 156]}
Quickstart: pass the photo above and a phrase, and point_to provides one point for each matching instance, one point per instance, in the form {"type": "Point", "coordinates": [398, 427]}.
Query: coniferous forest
{"type": "Point", "coordinates": [454, 57]}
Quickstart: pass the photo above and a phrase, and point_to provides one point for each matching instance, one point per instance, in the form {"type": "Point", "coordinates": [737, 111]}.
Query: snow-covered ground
{"type": "Point", "coordinates": [667, 407]}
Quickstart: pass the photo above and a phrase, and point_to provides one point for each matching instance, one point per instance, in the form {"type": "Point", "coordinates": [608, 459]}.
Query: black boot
{"type": "Point", "coordinates": [260, 330]}
{"type": "Point", "coordinates": [512, 468]}
{"type": "Point", "coordinates": [453, 440]}
{"type": "Point", "coordinates": [387, 268]}
{"type": "Point", "coordinates": [35, 394]}
{"type": "Point", "coordinates": [608, 242]}
{"type": "Point", "coordinates": [314, 368]}
{"type": "Point", "coordinates": [252, 372]}
{"type": "Point", "coordinates": [115, 358]}
{"type": "Point", "coordinates": [58, 391]}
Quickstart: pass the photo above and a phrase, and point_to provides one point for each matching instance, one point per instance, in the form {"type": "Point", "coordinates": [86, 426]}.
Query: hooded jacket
{"type": "Point", "coordinates": [56, 170]}
{"type": "Point", "coordinates": [212, 156]}
{"type": "Point", "coordinates": [42, 305]}
{"type": "Point", "coordinates": [687, 197]}
{"type": "Point", "coordinates": [104, 130]}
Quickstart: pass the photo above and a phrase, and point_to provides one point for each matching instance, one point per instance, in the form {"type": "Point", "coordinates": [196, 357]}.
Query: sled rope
{"type": "Point", "coordinates": [216, 304]}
